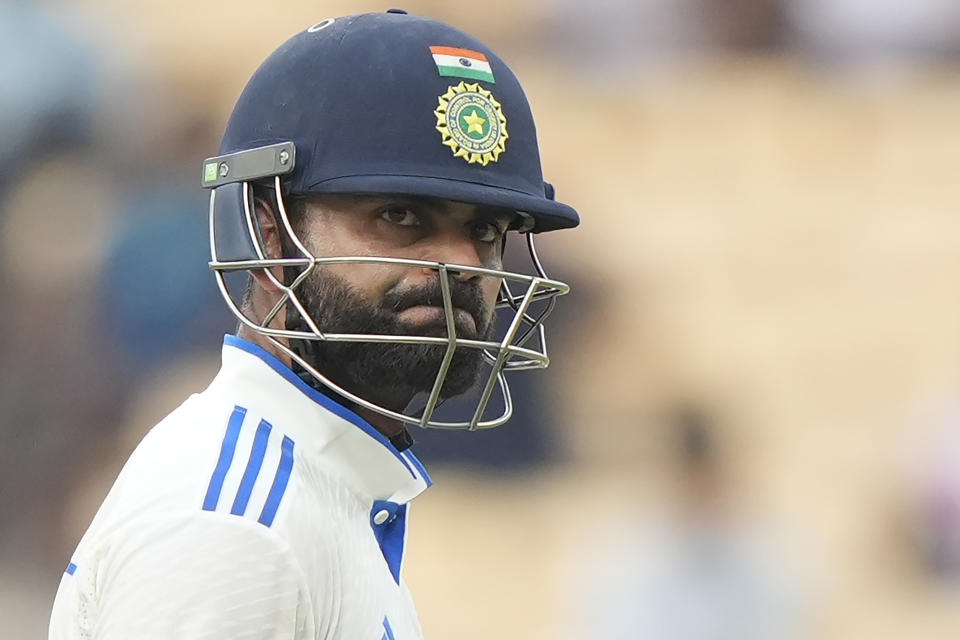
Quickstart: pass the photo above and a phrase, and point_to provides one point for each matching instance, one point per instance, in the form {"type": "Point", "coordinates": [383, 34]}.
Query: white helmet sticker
{"type": "Point", "coordinates": [323, 24]}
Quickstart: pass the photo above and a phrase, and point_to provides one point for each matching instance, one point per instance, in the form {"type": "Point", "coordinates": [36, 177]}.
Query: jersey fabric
{"type": "Point", "coordinates": [260, 508]}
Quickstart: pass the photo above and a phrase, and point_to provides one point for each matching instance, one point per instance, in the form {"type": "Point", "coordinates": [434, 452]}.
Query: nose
{"type": "Point", "coordinates": [453, 247]}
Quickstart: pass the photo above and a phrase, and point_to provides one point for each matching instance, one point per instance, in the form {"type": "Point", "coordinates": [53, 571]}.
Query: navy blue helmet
{"type": "Point", "coordinates": [388, 103]}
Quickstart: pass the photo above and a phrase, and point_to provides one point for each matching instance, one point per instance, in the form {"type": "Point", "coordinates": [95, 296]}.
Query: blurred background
{"type": "Point", "coordinates": [751, 427]}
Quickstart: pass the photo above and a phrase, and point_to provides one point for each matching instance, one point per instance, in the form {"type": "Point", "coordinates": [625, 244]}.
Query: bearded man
{"type": "Point", "coordinates": [367, 184]}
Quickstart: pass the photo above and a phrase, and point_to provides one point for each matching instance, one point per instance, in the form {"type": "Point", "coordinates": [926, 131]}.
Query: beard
{"type": "Point", "coordinates": [390, 374]}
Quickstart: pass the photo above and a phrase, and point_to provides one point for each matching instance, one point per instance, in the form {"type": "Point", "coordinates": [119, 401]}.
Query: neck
{"type": "Point", "coordinates": [387, 426]}
{"type": "Point", "coordinates": [261, 341]}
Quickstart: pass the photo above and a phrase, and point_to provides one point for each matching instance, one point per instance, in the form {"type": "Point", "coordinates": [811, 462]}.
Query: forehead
{"type": "Point", "coordinates": [437, 206]}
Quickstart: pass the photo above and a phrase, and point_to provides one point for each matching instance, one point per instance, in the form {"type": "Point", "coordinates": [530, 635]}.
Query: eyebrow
{"type": "Point", "coordinates": [440, 205]}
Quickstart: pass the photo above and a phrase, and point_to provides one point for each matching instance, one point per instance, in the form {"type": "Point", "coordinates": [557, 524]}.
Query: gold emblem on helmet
{"type": "Point", "coordinates": [471, 123]}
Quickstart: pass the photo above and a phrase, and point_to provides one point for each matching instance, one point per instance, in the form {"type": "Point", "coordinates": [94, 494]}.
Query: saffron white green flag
{"type": "Point", "coordinates": [462, 63]}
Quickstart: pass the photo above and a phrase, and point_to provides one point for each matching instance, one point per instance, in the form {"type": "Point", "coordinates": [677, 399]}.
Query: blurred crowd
{"type": "Point", "coordinates": [748, 420]}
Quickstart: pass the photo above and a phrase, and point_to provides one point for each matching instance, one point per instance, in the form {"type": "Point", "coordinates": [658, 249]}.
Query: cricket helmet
{"type": "Point", "coordinates": [387, 104]}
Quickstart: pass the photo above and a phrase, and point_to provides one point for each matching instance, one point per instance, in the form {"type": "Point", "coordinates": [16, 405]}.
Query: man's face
{"type": "Point", "coordinates": [388, 299]}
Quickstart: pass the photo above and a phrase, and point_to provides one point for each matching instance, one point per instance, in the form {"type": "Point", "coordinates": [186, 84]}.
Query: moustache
{"type": "Point", "coordinates": [463, 295]}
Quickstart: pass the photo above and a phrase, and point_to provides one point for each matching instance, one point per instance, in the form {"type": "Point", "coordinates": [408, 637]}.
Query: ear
{"type": "Point", "coordinates": [268, 231]}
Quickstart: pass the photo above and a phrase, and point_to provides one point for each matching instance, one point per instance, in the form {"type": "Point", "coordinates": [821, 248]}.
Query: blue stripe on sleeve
{"type": "Point", "coordinates": [71, 569]}
{"type": "Point", "coordinates": [253, 468]}
{"type": "Point", "coordinates": [387, 631]}
{"type": "Point", "coordinates": [279, 483]}
{"type": "Point", "coordinates": [227, 449]}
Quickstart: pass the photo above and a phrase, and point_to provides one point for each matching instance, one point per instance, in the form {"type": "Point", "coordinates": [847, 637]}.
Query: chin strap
{"type": "Point", "coordinates": [402, 441]}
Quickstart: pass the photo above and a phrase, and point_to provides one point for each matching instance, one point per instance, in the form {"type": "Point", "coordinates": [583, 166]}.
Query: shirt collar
{"type": "Point", "coordinates": [346, 444]}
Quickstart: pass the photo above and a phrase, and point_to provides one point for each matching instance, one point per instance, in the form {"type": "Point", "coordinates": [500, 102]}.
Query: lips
{"type": "Point", "coordinates": [421, 309]}
{"type": "Point", "coordinates": [431, 316]}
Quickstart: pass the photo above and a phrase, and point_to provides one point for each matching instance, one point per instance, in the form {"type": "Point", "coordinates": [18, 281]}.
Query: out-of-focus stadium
{"type": "Point", "coordinates": [751, 426]}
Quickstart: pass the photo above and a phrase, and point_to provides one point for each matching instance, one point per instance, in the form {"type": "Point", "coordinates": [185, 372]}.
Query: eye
{"type": "Point", "coordinates": [483, 231]}
{"type": "Point", "coordinates": [401, 217]}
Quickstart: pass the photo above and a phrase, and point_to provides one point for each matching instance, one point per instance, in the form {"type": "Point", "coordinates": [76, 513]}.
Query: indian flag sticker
{"type": "Point", "coordinates": [462, 63]}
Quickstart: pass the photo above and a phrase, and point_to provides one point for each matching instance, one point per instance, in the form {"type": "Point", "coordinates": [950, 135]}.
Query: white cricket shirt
{"type": "Point", "coordinates": [259, 508]}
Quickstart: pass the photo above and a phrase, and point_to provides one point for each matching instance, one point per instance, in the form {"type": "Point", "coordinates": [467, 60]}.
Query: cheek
{"type": "Point", "coordinates": [490, 288]}
{"type": "Point", "coordinates": [326, 239]}
{"type": "Point", "coordinates": [373, 280]}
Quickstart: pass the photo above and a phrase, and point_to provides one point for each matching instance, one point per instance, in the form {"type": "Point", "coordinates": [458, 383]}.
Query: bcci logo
{"type": "Point", "coordinates": [471, 123]}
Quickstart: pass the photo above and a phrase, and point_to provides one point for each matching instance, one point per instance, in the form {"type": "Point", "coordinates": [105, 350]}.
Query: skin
{"type": "Point", "coordinates": [390, 226]}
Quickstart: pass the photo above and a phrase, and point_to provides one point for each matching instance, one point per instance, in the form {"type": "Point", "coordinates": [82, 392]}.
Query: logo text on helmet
{"type": "Point", "coordinates": [471, 122]}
